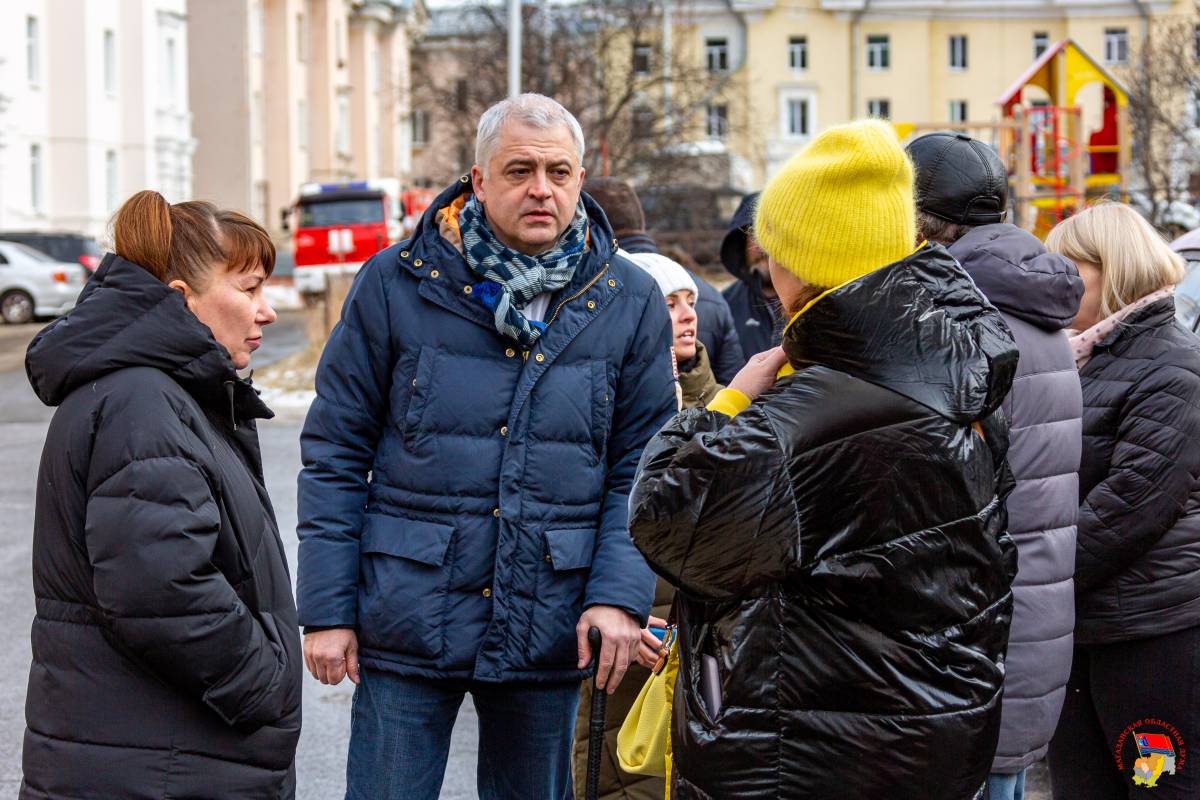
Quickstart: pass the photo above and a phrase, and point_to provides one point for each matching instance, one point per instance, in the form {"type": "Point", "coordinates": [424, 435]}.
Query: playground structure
{"type": "Point", "coordinates": [1054, 171]}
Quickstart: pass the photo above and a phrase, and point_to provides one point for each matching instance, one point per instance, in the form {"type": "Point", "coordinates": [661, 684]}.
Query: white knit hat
{"type": "Point", "coordinates": [670, 275]}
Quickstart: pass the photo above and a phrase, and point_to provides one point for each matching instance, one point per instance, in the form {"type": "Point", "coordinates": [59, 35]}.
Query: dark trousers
{"type": "Point", "coordinates": [400, 737]}
{"type": "Point", "coordinates": [1113, 688]}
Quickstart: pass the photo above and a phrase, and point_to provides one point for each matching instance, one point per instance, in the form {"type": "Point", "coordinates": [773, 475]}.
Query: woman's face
{"type": "Point", "coordinates": [789, 287]}
{"type": "Point", "coordinates": [1093, 291]}
{"type": "Point", "coordinates": [233, 307]}
{"type": "Point", "coordinates": [682, 305]}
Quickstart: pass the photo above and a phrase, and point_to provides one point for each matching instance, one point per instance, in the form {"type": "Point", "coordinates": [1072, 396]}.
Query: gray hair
{"type": "Point", "coordinates": [939, 231]}
{"type": "Point", "coordinates": [532, 109]}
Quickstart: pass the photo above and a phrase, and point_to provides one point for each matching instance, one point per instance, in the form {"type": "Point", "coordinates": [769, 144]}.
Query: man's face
{"type": "Point", "coordinates": [530, 186]}
{"type": "Point", "coordinates": [756, 261]}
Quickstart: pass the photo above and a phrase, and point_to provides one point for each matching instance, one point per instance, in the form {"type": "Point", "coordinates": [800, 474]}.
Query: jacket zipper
{"type": "Point", "coordinates": [232, 411]}
{"type": "Point", "coordinates": [578, 294]}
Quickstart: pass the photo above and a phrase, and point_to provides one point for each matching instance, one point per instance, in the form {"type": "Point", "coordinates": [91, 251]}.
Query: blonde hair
{"type": "Point", "coordinates": [1134, 259]}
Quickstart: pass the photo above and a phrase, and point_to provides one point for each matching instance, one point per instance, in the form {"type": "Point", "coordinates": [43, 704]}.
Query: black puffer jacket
{"type": "Point", "coordinates": [841, 549]}
{"type": "Point", "coordinates": [1137, 566]}
{"type": "Point", "coordinates": [166, 656]}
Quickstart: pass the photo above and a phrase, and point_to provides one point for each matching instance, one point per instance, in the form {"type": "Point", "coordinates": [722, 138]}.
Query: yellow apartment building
{"type": "Point", "coordinates": [797, 67]}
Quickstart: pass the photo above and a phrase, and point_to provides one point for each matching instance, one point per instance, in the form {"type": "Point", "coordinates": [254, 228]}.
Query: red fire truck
{"type": "Point", "coordinates": [338, 226]}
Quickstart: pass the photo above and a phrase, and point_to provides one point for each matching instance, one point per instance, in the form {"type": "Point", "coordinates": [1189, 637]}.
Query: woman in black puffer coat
{"type": "Point", "coordinates": [838, 538]}
{"type": "Point", "coordinates": [1137, 567]}
{"type": "Point", "coordinates": [166, 655]}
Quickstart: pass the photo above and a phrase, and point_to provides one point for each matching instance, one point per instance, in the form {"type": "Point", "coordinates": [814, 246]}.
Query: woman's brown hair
{"type": "Point", "coordinates": [185, 241]}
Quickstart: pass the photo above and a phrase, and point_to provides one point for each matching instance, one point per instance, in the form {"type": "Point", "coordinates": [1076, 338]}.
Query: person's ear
{"type": "Point", "coordinates": [189, 297]}
{"type": "Point", "coordinates": [477, 183]}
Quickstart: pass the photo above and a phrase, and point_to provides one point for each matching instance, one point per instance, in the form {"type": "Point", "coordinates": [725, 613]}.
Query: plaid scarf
{"type": "Point", "coordinates": [512, 279]}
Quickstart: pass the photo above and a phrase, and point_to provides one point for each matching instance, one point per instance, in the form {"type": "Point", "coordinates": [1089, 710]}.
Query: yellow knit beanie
{"type": "Point", "coordinates": [841, 207]}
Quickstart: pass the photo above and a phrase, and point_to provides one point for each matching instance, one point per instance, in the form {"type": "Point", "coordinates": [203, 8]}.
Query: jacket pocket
{"type": "Point", "coordinates": [405, 582]}
{"type": "Point", "coordinates": [422, 390]}
{"type": "Point", "coordinates": [558, 600]}
{"type": "Point", "coordinates": [601, 408]}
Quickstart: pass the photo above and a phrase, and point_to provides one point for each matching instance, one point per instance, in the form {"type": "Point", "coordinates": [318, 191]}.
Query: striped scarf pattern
{"type": "Point", "coordinates": [519, 277]}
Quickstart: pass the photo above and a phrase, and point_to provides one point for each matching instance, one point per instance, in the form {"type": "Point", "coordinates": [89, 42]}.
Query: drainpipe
{"type": "Point", "coordinates": [856, 56]}
{"type": "Point", "coordinates": [514, 48]}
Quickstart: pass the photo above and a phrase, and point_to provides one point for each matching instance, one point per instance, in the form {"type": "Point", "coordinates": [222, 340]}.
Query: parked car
{"type": "Point", "coordinates": [1187, 293]}
{"type": "Point", "coordinates": [32, 284]}
{"type": "Point", "coordinates": [60, 245]}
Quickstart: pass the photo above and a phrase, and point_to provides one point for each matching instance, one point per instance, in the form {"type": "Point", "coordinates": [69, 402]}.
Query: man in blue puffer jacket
{"type": "Point", "coordinates": [480, 412]}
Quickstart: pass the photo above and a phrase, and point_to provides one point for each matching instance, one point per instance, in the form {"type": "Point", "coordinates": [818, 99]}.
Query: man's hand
{"type": "Point", "coordinates": [621, 636]}
{"type": "Point", "coordinates": [759, 373]}
{"type": "Point", "coordinates": [332, 655]}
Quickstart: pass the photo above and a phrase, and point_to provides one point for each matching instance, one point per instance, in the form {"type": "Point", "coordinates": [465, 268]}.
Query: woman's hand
{"type": "Point", "coordinates": [759, 373]}
{"type": "Point", "coordinates": [647, 654]}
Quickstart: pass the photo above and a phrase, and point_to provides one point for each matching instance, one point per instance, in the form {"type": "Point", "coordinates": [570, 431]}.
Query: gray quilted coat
{"type": "Point", "coordinates": [1038, 294]}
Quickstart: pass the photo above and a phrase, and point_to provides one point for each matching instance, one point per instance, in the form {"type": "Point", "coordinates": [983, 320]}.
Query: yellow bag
{"type": "Point", "coordinates": [644, 741]}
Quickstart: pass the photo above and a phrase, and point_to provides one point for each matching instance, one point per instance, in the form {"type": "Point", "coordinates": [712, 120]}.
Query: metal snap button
{"type": "Point", "coordinates": [539, 358]}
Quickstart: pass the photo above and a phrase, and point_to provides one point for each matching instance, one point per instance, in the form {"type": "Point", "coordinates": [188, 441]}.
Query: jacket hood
{"type": "Point", "coordinates": [733, 246]}
{"type": "Point", "coordinates": [126, 318]}
{"type": "Point", "coordinates": [919, 327]}
{"type": "Point", "coordinates": [1017, 275]}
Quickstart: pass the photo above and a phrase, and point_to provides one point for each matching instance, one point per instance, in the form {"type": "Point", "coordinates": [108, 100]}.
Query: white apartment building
{"type": "Point", "coordinates": [290, 91]}
{"type": "Point", "coordinates": [93, 107]}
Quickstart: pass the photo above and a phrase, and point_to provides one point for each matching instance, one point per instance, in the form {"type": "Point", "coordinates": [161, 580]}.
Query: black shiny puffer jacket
{"type": "Point", "coordinates": [842, 552]}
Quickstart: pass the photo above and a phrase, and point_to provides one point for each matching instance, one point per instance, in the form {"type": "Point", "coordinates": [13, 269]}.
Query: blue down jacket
{"type": "Point", "coordinates": [462, 502]}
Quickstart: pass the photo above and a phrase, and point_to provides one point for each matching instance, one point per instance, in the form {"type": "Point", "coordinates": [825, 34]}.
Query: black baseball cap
{"type": "Point", "coordinates": [959, 179]}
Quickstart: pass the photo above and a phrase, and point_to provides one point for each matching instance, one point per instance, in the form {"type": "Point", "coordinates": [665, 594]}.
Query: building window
{"type": "Point", "coordinates": [1196, 42]}
{"type": "Point", "coordinates": [35, 177]}
{"type": "Point", "coordinates": [168, 73]}
{"type": "Point", "coordinates": [343, 128]}
{"type": "Point", "coordinates": [716, 55]}
{"type": "Point", "coordinates": [420, 127]}
{"type": "Point", "coordinates": [641, 59]}
{"type": "Point", "coordinates": [33, 51]}
{"type": "Point", "coordinates": [112, 186]}
{"type": "Point", "coordinates": [1196, 109]}
{"type": "Point", "coordinates": [716, 123]}
{"type": "Point", "coordinates": [958, 52]}
{"type": "Point", "coordinates": [1116, 45]}
{"type": "Point", "coordinates": [958, 110]}
{"type": "Point", "coordinates": [110, 62]}
{"type": "Point", "coordinates": [1041, 43]}
{"type": "Point", "coordinates": [301, 38]}
{"type": "Point", "coordinates": [798, 53]}
{"type": "Point", "coordinates": [797, 118]}
{"type": "Point", "coordinates": [643, 123]}
{"type": "Point", "coordinates": [460, 95]}
{"type": "Point", "coordinates": [879, 54]}
{"type": "Point", "coordinates": [880, 109]}
{"type": "Point", "coordinates": [302, 124]}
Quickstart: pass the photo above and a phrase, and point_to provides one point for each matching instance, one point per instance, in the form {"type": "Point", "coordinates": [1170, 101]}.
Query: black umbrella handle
{"type": "Point", "coordinates": [596, 722]}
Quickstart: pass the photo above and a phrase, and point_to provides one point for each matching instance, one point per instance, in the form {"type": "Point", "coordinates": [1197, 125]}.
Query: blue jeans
{"type": "Point", "coordinates": [400, 737]}
{"type": "Point", "coordinates": [1006, 786]}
